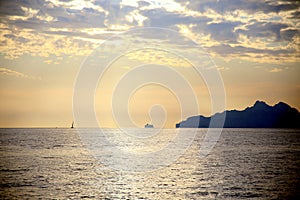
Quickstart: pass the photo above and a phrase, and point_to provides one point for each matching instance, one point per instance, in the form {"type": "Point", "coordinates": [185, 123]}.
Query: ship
{"type": "Point", "coordinates": [149, 126]}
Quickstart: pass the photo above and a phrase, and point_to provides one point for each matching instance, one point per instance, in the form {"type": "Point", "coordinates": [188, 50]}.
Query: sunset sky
{"type": "Point", "coordinates": [254, 44]}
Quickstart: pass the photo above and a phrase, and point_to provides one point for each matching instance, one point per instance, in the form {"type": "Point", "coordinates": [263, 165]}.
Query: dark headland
{"type": "Point", "coordinates": [260, 115]}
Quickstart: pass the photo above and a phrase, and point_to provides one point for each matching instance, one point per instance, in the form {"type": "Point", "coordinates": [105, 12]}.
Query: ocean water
{"type": "Point", "coordinates": [244, 164]}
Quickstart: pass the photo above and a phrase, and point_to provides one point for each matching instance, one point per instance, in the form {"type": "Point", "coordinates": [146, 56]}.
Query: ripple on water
{"type": "Point", "coordinates": [245, 163]}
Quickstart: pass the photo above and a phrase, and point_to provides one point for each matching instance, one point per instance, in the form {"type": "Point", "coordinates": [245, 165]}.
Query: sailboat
{"type": "Point", "coordinates": [72, 125]}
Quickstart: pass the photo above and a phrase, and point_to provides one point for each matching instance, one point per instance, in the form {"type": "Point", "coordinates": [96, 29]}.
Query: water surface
{"type": "Point", "coordinates": [244, 164]}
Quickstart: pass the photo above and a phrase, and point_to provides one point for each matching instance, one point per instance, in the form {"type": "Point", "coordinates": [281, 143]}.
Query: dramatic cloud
{"type": "Point", "coordinates": [251, 6]}
{"type": "Point", "coordinates": [249, 29]}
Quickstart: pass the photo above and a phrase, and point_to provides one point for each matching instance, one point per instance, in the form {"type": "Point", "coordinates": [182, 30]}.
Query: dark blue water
{"type": "Point", "coordinates": [244, 164]}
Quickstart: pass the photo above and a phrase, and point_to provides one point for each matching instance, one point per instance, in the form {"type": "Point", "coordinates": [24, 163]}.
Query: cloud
{"type": "Point", "coordinates": [39, 44]}
{"type": "Point", "coordinates": [251, 7]}
{"type": "Point", "coordinates": [9, 72]}
{"type": "Point", "coordinates": [171, 19]}
{"type": "Point", "coordinates": [226, 27]}
{"type": "Point", "coordinates": [223, 31]}
{"type": "Point", "coordinates": [252, 54]}
{"type": "Point", "coordinates": [263, 29]}
{"type": "Point", "coordinates": [275, 70]}
{"type": "Point", "coordinates": [222, 68]}
{"type": "Point", "coordinates": [147, 56]}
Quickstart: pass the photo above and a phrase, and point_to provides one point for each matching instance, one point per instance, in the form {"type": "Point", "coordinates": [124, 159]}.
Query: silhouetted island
{"type": "Point", "coordinates": [260, 115]}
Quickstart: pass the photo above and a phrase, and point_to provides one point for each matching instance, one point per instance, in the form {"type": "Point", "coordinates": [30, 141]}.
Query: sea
{"type": "Point", "coordinates": [55, 163]}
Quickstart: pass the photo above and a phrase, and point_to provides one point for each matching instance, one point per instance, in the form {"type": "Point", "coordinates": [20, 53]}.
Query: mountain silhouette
{"type": "Point", "coordinates": [260, 115]}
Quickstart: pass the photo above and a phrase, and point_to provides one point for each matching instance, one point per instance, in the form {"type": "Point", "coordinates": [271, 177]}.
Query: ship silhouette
{"type": "Point", "coordinates": [149, 126]}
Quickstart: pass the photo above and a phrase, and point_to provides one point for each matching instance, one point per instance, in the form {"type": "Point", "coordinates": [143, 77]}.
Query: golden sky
{"type": "Point", "coordinates": [254, 46]}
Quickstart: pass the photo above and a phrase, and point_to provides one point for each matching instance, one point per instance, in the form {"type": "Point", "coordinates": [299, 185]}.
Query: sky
{"type": "Point", "coordinates": [254, 46]}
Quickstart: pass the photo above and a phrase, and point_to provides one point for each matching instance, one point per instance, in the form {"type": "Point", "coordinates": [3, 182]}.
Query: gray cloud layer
{"type": "Point", "coordinates": [233, 26]}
